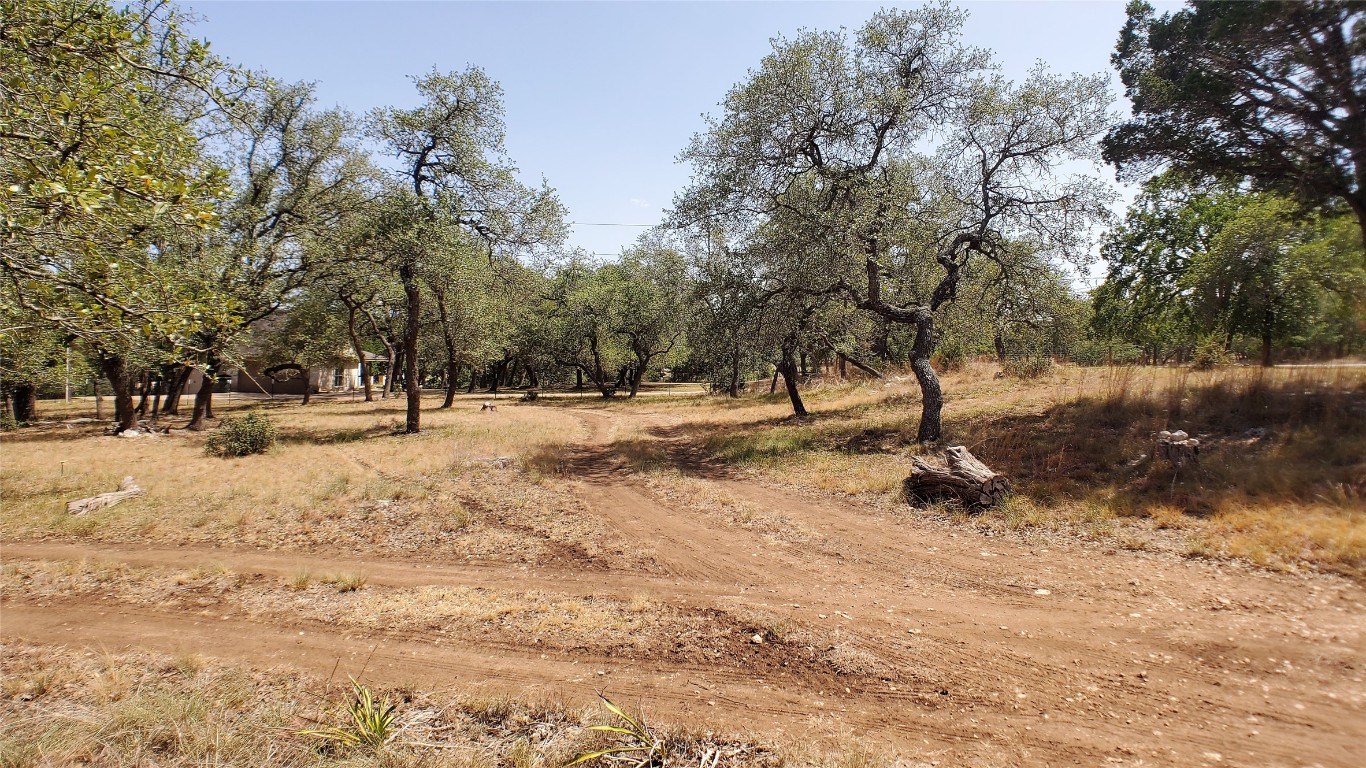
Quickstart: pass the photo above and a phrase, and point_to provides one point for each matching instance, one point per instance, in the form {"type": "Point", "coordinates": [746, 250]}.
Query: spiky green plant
{"type": "Point", "coordinates": [371, 723]}
{"type": "Point", "coordinates": [636, 745]}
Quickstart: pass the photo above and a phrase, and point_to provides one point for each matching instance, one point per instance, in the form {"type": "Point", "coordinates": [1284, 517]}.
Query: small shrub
{"type": "Point", "coordinates": [1031, 367]}
{"type": "Point", "coordinates": [368, 723]}
{"type": "Point", "coordinates": [1209, 354]}
{"type": "Point", "coordinates": [242, 436]}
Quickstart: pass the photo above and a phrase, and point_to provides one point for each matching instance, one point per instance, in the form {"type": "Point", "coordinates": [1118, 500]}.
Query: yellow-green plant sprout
{"type": "Point", "coordinates": [371, 724]}
{"type": "Point", "coordinates": [636, 744]}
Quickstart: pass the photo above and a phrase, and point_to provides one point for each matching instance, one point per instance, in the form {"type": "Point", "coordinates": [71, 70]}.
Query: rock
{"type": "Point", "coordinates": [1042, 592]}
{"type": "Point", "coordinates": [130, 433]}
{"type": "Point", "coordinates": [757, 639]}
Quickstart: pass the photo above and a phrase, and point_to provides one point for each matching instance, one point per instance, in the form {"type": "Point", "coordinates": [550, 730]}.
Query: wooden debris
{"type": "Point", "coordinates": [127, 490]}
{"type": "Point", "coordinates": [964, 478]}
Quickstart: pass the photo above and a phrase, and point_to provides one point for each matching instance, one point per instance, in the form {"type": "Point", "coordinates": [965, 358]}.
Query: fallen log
{"type": "Point", "coordinates": [127, 490]}
{"type": "Point", "coordinates": [964, 478]}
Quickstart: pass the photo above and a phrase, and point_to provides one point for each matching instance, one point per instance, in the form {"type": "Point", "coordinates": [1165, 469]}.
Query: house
{"type": "Point", "coordinates": [340, 374]}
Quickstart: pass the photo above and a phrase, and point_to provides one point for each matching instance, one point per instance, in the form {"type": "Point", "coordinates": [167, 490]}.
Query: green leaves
{"type": "Point", "coordinates": [637, 746]}
{"type": "Point", "coordinates": [1247, 90]}
{"type": "Point", "coordinates": [369, 722]}
{"type": "Point", "coordinates": [98, 163]}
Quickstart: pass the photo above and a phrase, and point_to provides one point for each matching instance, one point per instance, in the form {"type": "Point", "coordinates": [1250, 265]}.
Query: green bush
{"type": "Point", "coordinates": [242, 436]}
{"type": "Point", "coordinates": [949, 357]}
{"type": "Point", "coordinates": [1209, 354]}
{"type": "Point", "coordinates": [1031, 367]}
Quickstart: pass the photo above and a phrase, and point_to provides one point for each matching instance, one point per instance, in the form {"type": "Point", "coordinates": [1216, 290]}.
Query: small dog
{"type": "Point", "coordinates": [487, 406]}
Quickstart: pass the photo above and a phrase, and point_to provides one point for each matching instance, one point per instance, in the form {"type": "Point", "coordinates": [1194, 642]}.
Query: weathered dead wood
{"type": "Point", "coordinates": [127, 490]}
{"type": "Point", "coordinates": [1177, 448]}
{"type": "Point", "coordinates": [964, 478]}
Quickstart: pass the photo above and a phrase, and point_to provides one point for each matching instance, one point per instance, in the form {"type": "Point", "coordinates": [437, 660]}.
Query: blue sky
{"type": "Point", "coordinates": [600, 96]}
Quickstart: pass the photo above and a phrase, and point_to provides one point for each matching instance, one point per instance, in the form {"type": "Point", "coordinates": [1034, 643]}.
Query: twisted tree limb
{"type": "Point", "coordinates": [127, 490]}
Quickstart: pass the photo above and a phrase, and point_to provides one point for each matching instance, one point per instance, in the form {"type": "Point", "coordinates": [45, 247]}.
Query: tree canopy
{"type": "Point", "coordinates": [1270, 92]}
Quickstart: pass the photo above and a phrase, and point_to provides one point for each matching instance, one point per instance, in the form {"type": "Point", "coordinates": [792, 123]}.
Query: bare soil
{"type": "Point", "coordinates": [835, 620]}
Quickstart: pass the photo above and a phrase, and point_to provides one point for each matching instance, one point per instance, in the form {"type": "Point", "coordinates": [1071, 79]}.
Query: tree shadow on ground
{"type": "Point", "coordinates": [1261, 443]}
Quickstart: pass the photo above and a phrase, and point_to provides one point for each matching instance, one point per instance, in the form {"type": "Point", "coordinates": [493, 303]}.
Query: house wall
{"type": "Point", "coordinates": [251, 379]}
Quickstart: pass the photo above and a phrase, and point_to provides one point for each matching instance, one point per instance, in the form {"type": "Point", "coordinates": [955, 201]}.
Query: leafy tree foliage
{"type": "Point", "coordinates": [451, 147]}
{"type": "Point", "coordinates": [1191, 262]}
{"type": "Point", "coordinates": [1271, 92]}
{"type": "Point", "coordinates": [825, 146]}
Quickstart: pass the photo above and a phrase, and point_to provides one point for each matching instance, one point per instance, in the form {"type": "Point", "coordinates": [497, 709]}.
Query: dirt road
{"type": "Point", "coordinates": [978, 650]}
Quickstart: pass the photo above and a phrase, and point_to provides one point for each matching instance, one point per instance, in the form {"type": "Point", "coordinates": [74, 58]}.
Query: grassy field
{"type": "Point", "coordinates": [1281, 480]}
{"type": "Point", "coordinates": [539, 559]}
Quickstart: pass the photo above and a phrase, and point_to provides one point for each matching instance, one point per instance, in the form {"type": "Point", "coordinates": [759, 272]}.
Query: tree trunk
{"type": "Point", "coordinates": [398, 378]}
{"type": "Point", "coordinates": [99, 398]}
{"type": "Point", "coordinates": [25, 402]}
{"type": "Point", "coordinates": [773, 383]}
{"type": "Point", "coordinates": [169, 375]}
{"type": "Point", "coordinates": [578, 378]}
{"type": "Point", "coordinates": [533, 380]}
{"type": "Point", "coordinates": [789, 371]}
{"type": "Point", "coordinates": [156, 397]}
{"type": "Point", "coordinates": [203, 399]}
{"type": "Point", "coordinates": [144, 391]}
{"type": "Point", "coordinates": [117, 374]}
{"type": "Point", "coordinates": [931, 394]}
{"type": "Point", "coordinates": [452, 374]}
{"type": "Point", "coordinates": [1267, 362]}
{"type": "Point", "coordinates": [179, 378]}
{"type": "Point", "coordinates": [882, 332]}
{"type": "Point", "coordinates": [360, 352]}
{"type": "Point", "coordinates": [203, 405]}
{"type": "Point", "coordinates": [637, 375]}
{"type": "Point", "coordinates": [411, 384]}
{"type": "Point", "coordinates": [734, 389]}
{"type": "Point", "coordinates": [859, 364]}
{"type": "Point", "coordinates": [999, 342]}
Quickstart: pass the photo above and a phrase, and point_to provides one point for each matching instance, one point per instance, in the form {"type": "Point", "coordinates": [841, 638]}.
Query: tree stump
{"type": "Point", "coordinates": [964, 478]}
{"type": "Point", "coordinates": [1177, 448]}
{"type": "Point", "coordinates": [127, 490]}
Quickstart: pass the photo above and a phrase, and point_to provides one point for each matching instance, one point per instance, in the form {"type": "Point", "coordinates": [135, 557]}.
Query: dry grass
{"type": "Point", "coordinates": [62, 707]}
{"type": "Point", "coordinates": [1281, 480]}
{"type": "Point", "coordinates": [340, 479]}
